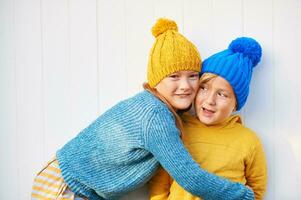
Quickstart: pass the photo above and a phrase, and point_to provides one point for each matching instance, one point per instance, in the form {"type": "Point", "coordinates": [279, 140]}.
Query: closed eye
{"type": "Point", "coordinates": [194, 76]}
{"type": "Point", "coordinates": [173, 76]}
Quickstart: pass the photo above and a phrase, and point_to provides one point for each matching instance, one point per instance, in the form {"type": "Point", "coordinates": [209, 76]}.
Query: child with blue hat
{"type": "Point", "coordinates": [215, 137]}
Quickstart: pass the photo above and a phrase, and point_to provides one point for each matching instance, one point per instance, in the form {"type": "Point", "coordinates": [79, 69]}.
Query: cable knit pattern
{"type": "Point", "coordinates": [122, 149]}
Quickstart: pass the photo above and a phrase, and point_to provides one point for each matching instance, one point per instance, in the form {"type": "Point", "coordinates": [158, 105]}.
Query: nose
{"type": "Point", "coordinates": [184, 84]}
{"type": "Point", "coordinates": [210, 99]}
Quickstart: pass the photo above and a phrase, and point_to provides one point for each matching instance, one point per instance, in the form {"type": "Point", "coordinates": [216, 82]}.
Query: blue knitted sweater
{"type": "Point", "coordinates": [122, 149]}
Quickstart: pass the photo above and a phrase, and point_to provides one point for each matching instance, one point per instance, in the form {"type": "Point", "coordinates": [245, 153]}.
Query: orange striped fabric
{"type": "Point", "coordinates": [49, 184]}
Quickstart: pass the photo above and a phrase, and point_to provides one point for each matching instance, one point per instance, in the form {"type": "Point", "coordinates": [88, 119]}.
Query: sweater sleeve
{"type": "Point", "coordinates": [163, 141]}
{"type": "Point", "coordinates": [256, 171]}
{"type": "Point", "coordinates": [159, 185]}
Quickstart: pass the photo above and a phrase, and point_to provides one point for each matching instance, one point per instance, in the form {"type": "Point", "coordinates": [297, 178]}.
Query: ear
{"type": "Point", "coordinates": [234, 109]}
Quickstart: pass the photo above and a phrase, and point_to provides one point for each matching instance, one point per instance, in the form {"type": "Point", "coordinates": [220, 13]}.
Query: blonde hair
{"type": "Point", "coordinates": [179, 123]}
{"type": "Point", "coordinates": [207, 77]}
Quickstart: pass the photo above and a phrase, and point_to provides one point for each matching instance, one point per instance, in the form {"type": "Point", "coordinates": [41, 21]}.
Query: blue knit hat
{"type": "Point", "coordinates": [235, 64]}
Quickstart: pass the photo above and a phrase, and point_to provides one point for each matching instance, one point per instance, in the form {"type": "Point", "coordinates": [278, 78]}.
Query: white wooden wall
{"type": "Point", "coordinates": [63, 62]}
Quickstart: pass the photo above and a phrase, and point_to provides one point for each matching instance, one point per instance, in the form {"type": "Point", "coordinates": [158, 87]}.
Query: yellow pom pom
{"type": "Point", "coordinates": [163, 25]}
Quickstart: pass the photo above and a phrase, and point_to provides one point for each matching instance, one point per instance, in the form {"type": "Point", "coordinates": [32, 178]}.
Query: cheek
{"type": "Point", "coordinates": [228, 108]}
{"type": "Point", "coordinates": [195, 85]}
{"type": "Point", "coordinates": [163, 88]}
{"type": "Point", "coordinates": [198, 102]}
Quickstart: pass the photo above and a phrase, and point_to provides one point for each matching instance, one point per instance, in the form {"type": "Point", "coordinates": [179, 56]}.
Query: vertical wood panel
{"type": "Point", "coordinates": [83, 63]}
{"type": "Point", "coordinates": [139, 41]}
{"type": "Point", "coordinates": [112, 53]}
{"type": "Point", "coordinates": [172, 9]}
{"type": "Point", "coordinates": [8, 138]}
{"type": "Point", "coordinates": [227, 22]}
{"type": "Point", "coordinates": [56, 73]}
{"type": "Point", "coordinates": [259, 109]}
{"type": "Point", "coordinates": [29, 69]}
{"type": "Point", "coordinates": [287, 43]}
{"type": "Point", "coordinates": [198, 27]}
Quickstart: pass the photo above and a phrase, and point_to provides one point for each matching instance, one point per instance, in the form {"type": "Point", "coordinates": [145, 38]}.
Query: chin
{"type": "Point", "coordinates": [206, 121]}
{"type": "Point", "coordinates": [182, 107]}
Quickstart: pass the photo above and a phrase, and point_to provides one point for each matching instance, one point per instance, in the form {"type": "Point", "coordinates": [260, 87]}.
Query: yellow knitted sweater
{"type": "Point", "coordinates": [229, 150]}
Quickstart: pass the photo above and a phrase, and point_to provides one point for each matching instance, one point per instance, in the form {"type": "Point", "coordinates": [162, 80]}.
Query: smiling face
{"type": "Point", "coordinates": [215, 100]}
{"type": "Point", "coordinates": [179, 88]}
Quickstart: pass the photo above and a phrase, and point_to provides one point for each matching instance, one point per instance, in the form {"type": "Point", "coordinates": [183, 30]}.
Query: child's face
{"type": "Point", "coordinates": [215, 101]}
{"type": "Point", "coordinates": [179, 88]}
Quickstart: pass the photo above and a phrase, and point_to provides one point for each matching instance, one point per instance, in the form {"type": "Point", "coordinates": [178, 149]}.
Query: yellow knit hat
{"type": "Point", "coordinates": [170, 53]}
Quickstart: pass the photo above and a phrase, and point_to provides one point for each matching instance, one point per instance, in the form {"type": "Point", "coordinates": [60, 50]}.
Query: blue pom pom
{"type": "Point", "coordinates": [248, 47]}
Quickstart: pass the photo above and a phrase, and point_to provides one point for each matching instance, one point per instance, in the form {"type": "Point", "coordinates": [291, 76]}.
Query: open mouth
{"type": "Point", "coordinates": [208, 111]}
